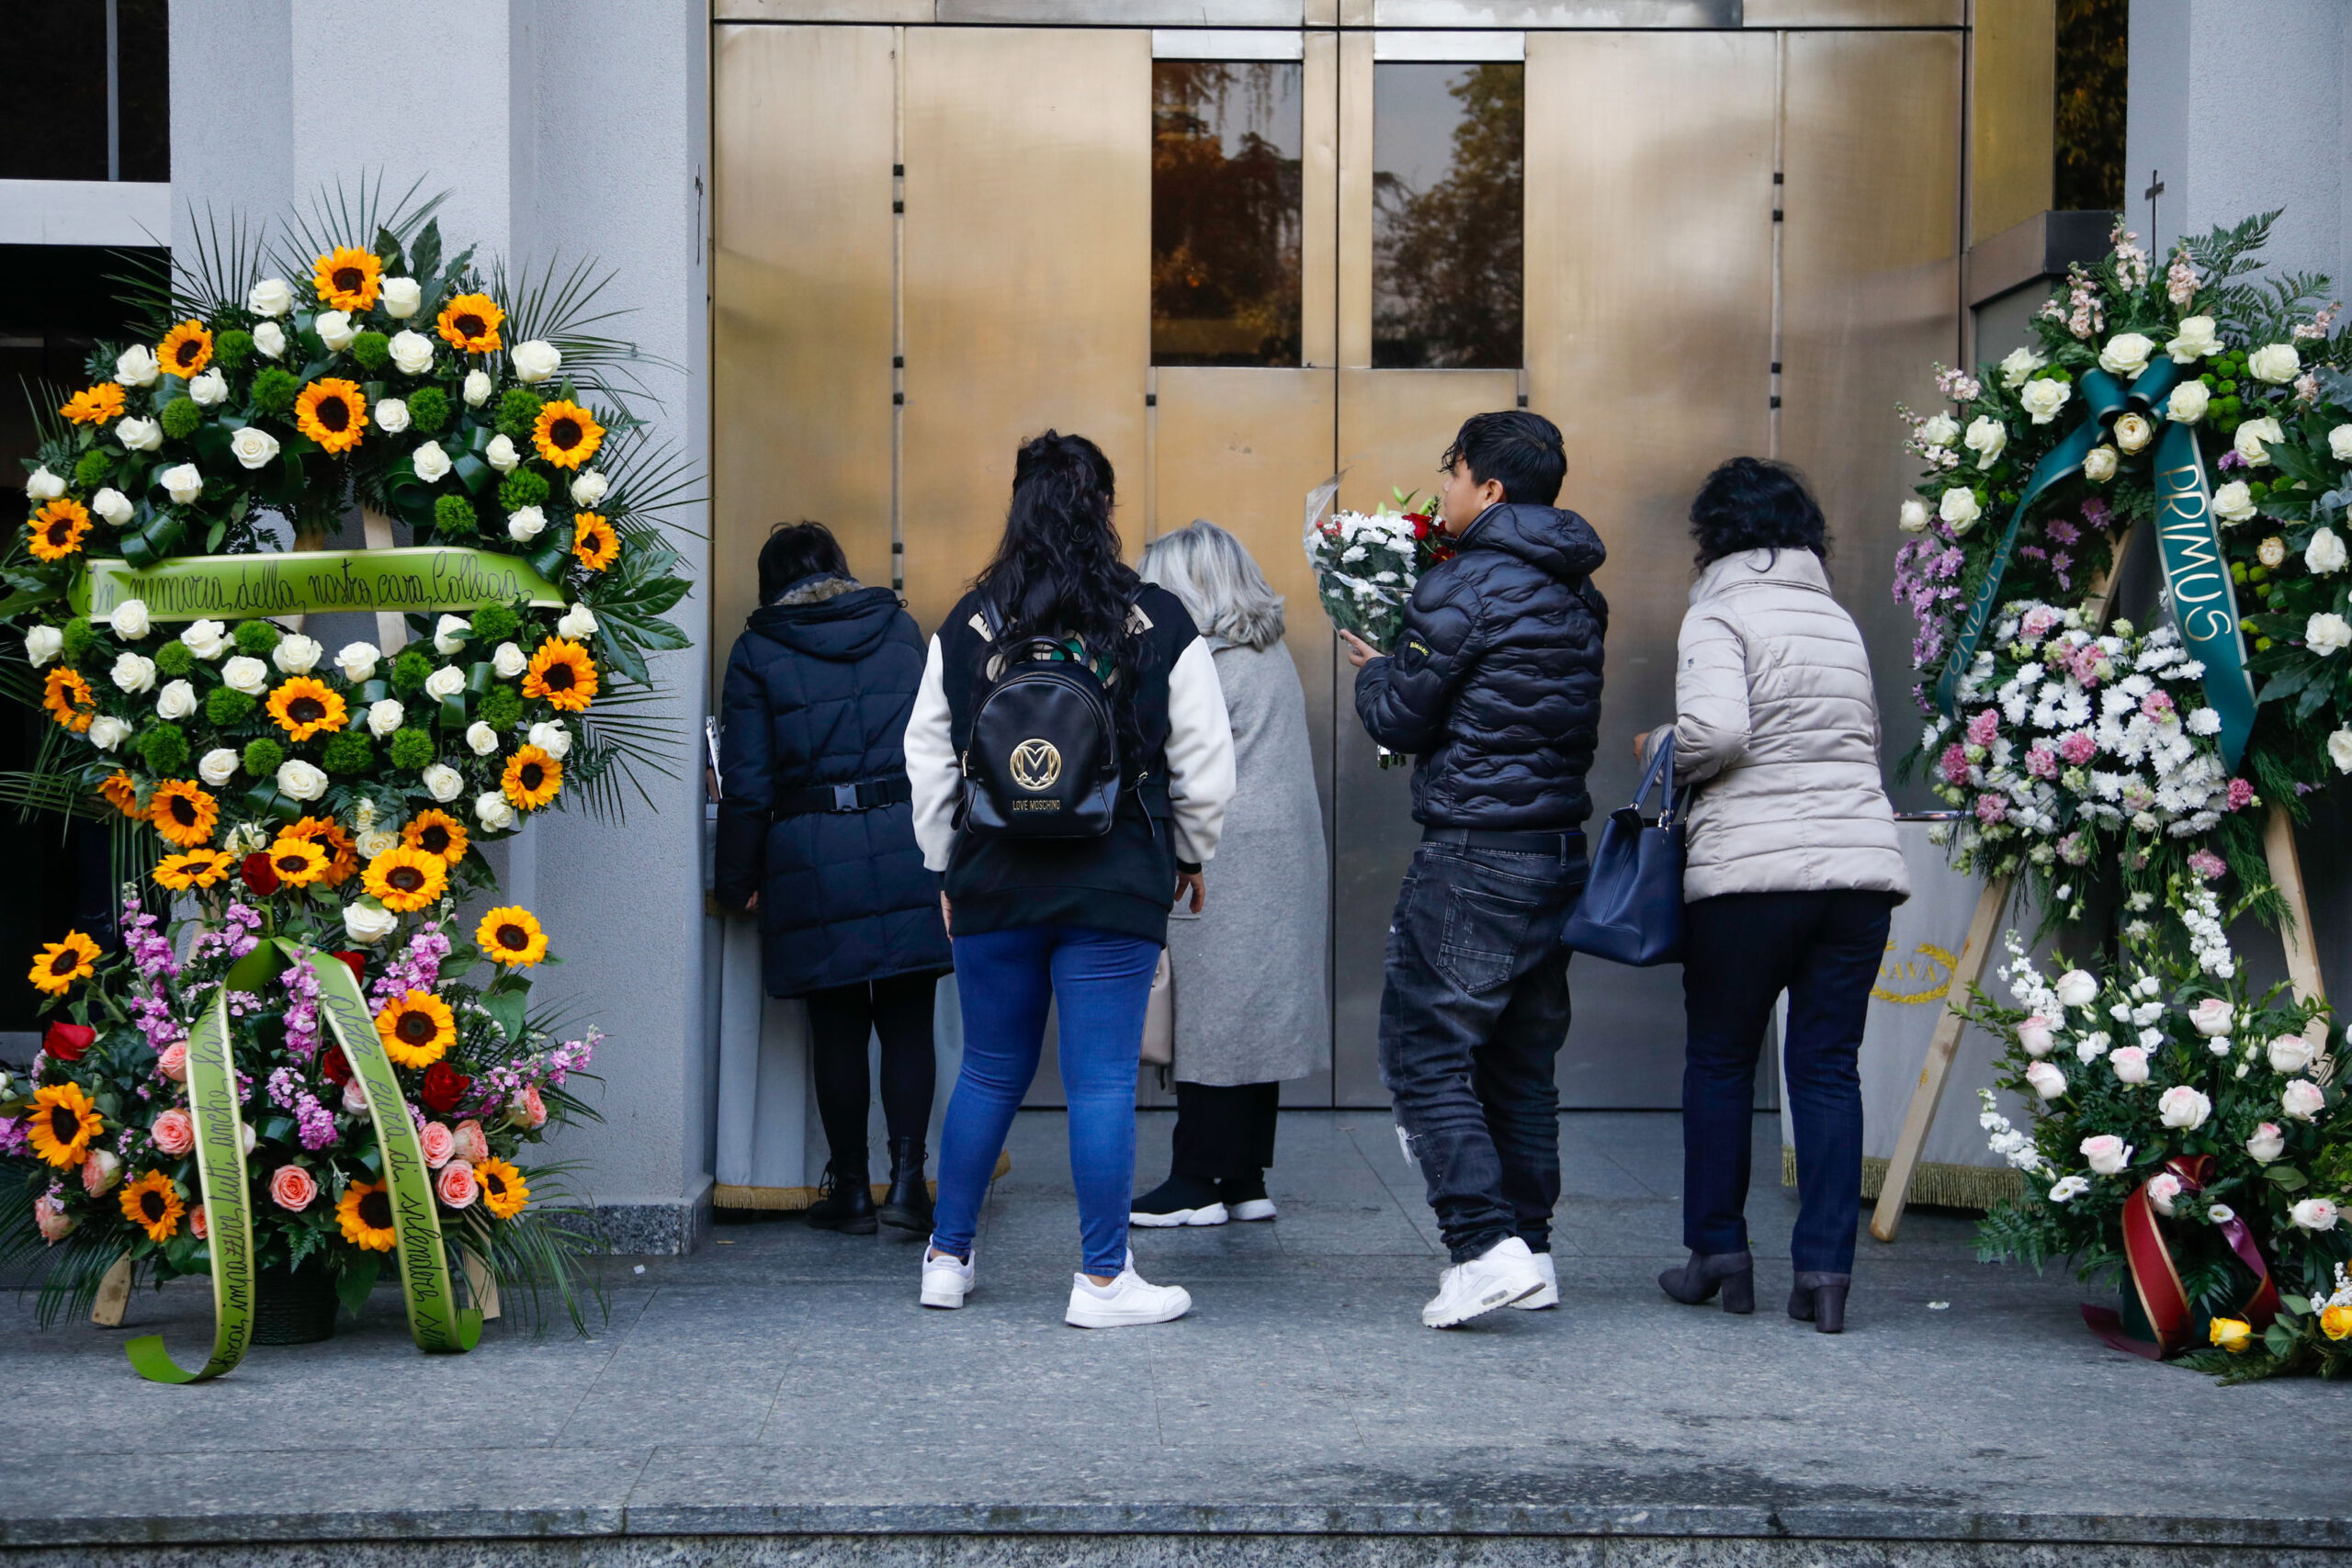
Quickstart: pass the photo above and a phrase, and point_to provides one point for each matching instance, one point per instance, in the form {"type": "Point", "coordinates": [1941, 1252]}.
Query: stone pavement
{"type": "Point", "coordinates": [783, 1383]}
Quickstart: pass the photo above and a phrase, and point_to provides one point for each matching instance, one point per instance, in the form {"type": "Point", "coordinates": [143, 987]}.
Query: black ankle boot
{"type": "Point", "coordinates": [1733, 1273]}
{"type": "Point", "coordinates": [1820, 1300]}
{"type": "Point", "coordinates": [845, 1202]}
{"type": "Point", "coordinates": [906, 1206]}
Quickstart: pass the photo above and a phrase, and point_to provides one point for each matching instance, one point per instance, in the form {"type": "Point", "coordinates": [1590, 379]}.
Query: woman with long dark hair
{"type": "Point", "coordinates": [1074, 923]}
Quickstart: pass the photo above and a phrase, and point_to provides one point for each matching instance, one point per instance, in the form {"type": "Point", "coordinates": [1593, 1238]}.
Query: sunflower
{"type": "Point", "coordinates": [567, 435]}
{"type": "Point", "coordinates": [153, 1203]}
{"type": "Point", "coordinates": [67, 697]}
{"type": "Point", "coordinates": [511, 936]}
{"type": "Point", "coordinates": [365, 1211]}
{"type": "Point", "coordinates": [417, 1029]}
{"type": "Point", "coordinates": [60, 964]}
{"type": "Point", "coordinates": [55, 530]}
{"type": "Point", "coordinates": [185, 350]}
{"type": "Point", "coordinates": [593, 541]}
{"type": "Point", "coordinates": [121, 792]}
{"type": "Point", "coordinates": [436, 834]}
{"type": "Point", "coordinates": [532, 778]}
{"type": "Point", "coordinates": [406, 879]}
{"type": "Point", "coordinates": [561, 672]}
{"type": "Point", "coordinates": [196, 868]}
{"type": "Point", "coordinates": [95, 405]}
{"type": "Point", "coordinates": [503, 1192]}
{"type": "Point", "coordinates": [305, 707]}
{"type": "Point", "coordinates": [332, 412]}
{"type": "Point", "coordinates": [298, 862]}
{"type": "Point", "coordinates": [342, 858]}
{"type": "Point", "coordinates": [469, 323]}
{"type": "Point", "coordinates": [61, 1122]}
{"type": "Point", "coordinates": [183, 812]}
{"type": "Point", "coordinates": [347, 279]}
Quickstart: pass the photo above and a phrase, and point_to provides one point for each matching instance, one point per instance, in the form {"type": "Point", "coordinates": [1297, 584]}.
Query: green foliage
{"type": "Point", "coordinates": [175, 658]}
{"type": "Point", "coordinates": [78, 636]}
{"type": "Point", "coordinates": [496, 623]}
{"type": "Point", "coordinates": [232, 348]}
{"type": "Point", "coordinates": [412, 749]}
{"type": "Point", "coordinates": [163, 746]}
{"type": "Point", "coordinates": [92, 469]}
{"type": "Point", "coordinates": [256, 638]}
{"type": "Point", "coordinates": [521, 488]}
{"type": "Point", "coordinates": [225, 706]}
{"type": "Point", "coordinates": [411, 669]}
{"type": "Point", "coordinates": [454, 515]}
{"type": "Point", "coordinates": [373, 350]}
{"type": "Point", "coordinates": [501, 707]}
{"type": "Point", "coordinates": [262, 756]}
{"type": "Point", "coordinates": [428, 409]}
{"type": "Point", "coordinates": [518, 411]}
{"type": "Point", "coordinates": [348, 751]}
{"type": "Point", "coordinates": [275, 391]}
{"type": "Point", "coordinates": [181, 416]}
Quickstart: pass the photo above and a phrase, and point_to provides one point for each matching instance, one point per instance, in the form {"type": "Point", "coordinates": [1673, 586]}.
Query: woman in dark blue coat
{"type": "Point", "coordinates": [816, 835]}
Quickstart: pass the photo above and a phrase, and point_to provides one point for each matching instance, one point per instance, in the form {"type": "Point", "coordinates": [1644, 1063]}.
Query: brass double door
{"type": "Point", "coordinates": [931, 241]}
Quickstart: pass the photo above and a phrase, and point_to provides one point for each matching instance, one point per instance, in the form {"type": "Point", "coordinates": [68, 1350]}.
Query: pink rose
{"type": "Point", "coordinates": [2077, 748]}
{"type": "Point", "coordinates": [439, 1144]}
{"type": "Point", "coordinates": [2047, 1080]}
{"type": "Point", "coordinates": [173, 1063]}
{"type": "Point", "coordinates": [50, 1215]}
{"type": "Point", "coordinates": [529, 1110]}
{"type": "Point", "coordinates": [2037, 1035]}
{"type": "Point", "coordinates": [292, 1188]}
{"type": "Point", "coordinates": [173, 1133]}
{"type": "Point", "coordinates": [473, 1144]}
{"type": "Point", "coordinates": [200, 1221]}
{"type": "Point", "coordinates": [456, 1185]}
{"type": "Point", "coordinates": [2163, 1192]}
{"type": "Point", "coordinates": [99, 1172]}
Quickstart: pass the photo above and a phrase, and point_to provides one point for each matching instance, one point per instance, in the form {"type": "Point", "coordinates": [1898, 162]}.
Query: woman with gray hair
{"type": "Point", "coordinates": [1248, 971]}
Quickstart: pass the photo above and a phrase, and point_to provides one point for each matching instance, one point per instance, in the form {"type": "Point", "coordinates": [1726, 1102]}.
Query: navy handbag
{"type": "Point", "coordinates": [1631, 910]}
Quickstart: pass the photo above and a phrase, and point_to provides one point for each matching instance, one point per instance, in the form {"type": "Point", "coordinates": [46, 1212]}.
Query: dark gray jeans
{"type": "Point", "coordinates": [1472, 1016]}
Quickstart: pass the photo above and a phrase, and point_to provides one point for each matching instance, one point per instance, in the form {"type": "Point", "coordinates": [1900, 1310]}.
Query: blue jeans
{"type": "Point", "coordinates": [1740, 952]}
{"type": "Point", "coordinates": [1099, 982]}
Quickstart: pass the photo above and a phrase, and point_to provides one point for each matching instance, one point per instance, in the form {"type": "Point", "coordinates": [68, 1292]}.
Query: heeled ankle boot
{"type": "Point", "coordinates": [1732, 1273]}
{"type": "Point", "coordinates": [1820, 1300]}
{"type": "Point", "coordinates": [845, 1202]}
{"type": "Point", "coordinates": [906, 1206]}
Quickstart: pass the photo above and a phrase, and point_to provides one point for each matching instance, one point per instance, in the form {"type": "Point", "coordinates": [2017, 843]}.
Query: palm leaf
{"type": "Point", "coordinates": [355, 216]}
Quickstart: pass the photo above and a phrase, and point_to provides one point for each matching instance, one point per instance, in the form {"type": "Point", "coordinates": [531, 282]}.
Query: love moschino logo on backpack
{"type": "Point", "coordinates": [1035, 765]}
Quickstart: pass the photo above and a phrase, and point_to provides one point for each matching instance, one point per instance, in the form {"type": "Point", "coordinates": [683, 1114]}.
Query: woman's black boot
{"type": "Point", "coordinates": [906, 1206]}
{"type": "Point", "coordinates": [845, 1202]}
{"type": "Point", "coordinates": [1733, 1273]}
{"type": "Point", "coordinates": [1820, 1300]}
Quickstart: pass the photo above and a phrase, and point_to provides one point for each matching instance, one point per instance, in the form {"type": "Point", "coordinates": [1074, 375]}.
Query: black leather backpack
{"type": "Point", "coordinates": [1043, 762]}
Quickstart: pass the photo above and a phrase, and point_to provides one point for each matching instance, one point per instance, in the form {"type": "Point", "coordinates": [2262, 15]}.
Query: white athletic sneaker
{"type": "Point", "coordinates": [1215, 1214]}
{"type": "Point", "coordinates": [1124, 1302]}
{"type": "Point", "coordinates": [946, 1282]}
{"type": "Point", "coordinates": [1549, 1296]}
{"type": "Point", "coordinates": [1496, 1277]}
{"type": "Point", "coordinates": [1252, 1208]}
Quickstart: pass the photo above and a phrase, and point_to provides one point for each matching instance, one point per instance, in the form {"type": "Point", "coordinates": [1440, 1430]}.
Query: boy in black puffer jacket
{"type": "Point", "coordinates": [1495, 687]}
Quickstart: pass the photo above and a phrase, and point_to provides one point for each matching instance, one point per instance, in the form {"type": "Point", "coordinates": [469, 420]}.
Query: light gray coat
{"type": "Point", "coordinates": [1778, 721]}
{"type": "Point", "coordinates": [1248, 970]}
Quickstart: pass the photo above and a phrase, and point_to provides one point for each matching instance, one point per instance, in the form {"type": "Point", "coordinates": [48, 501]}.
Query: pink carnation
{"type": "Point", "coordinates": [173, 1133]}
{"type": "Point", "coordinates": [439, 1144]}
{"type": "Point", "coordinates": [2156, 705]}
{"type": "Point", "coordinates": [2207, 864]}
{"type": "Point", "coordinates": [1991, 808]}
{"type": "Point", "coordinates": [2040, 621]}
{"type": "Point", "coordinates": [1954, 765]}
{"type": "Point", "coordinates": [2077, 748]}
{"type": "Point", "coordinates": [1984, 728]}
{"type": "Point", "coordinates": [2084, 665]}
{"type": "Point", "coordinates": [2241, 795]}
{"type": "Point", "coordinates": [173, 1063]}
{"type": "Point", "coordinates": [456, 1185]}
{"type": "Point", "coordinates": [2042, 762]}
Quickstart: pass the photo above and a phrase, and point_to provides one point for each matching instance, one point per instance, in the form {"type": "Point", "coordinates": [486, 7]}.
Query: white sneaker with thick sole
{"type": "Point", "coordinates": [1215, 1214]}
{"type": "Point", "coordinates": [946, 1282]}
{"type": "Point", "coordinates": [1549, 1296]}
{"type": "Point", "coordinates": [1252, 1208]}
{"type": "Point", "coordinates": [1124, 1303]}
{"type": "Point", "coordinates": [1502, 1274]}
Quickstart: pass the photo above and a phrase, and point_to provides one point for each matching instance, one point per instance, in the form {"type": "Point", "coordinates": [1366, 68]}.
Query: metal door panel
{"type": "Point", "coordinates": [1870, 299]}
{"type": "Point", "coordinates": [1649, 334]}
{"type": "Point", "coordinates": [1856, 13]}
{"type": "Point", "coordinates": [801, 304]}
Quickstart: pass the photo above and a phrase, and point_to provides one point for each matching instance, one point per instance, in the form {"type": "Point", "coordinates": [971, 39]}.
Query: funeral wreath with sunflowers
{"type": "Point", "coordinates": [300, 820]}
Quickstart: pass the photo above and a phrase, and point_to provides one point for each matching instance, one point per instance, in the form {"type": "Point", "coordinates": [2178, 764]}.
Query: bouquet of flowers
{"type": "Point", "coordinates": [1367, 563]}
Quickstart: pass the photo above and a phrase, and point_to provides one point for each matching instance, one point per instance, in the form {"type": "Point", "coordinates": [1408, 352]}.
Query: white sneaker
{"type": "Point", "coordinates": [1498, 1277]}
{"type": "Point", "coordinates": [946, 1282]}
{"type": "Point", "coordinates": [1124, 1303]}
{"type": "Point", "coordinates": [1549, 1296]}
{"type": "Point", "coordinates": [1215, 1214]}
{"type": "Point", "coordinates": [1252, 1208]}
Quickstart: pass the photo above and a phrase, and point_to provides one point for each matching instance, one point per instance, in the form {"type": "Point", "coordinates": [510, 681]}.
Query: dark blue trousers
{"type": "Point", "coordinates": [1740, 952]}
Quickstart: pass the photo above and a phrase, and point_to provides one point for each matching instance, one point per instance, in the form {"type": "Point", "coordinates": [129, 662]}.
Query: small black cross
{"type": "Point", "coordinates": [2156, 188]}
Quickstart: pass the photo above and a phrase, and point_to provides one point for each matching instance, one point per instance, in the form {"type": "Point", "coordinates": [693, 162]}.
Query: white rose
{"type": "Point", "coordinates": [2129, 1063]}
{"type": "Point", "coordinates": [254, 447]}
{"type": "Point", "coordinates": [384, 716]}
{"type": "Point", "coordinates": [2184, 1108]}
{"type": "Point", "coordinates": [1987, 436]}
{"type": "Point", "coordinates": [139, 434]}
{"type": "Point", "coordinates": [1913, 518]}
{"type": "Point", "coordinates": [589, 485]}
{"type": "Point", "coordinates": [270, 297]}
{"type": "Point", "coordinates": [184, 481]}
{"type": "Point", "coordinates": [2043, 399]}
{"type": "Point", "coordinates": [375, 842]}
{"type": "Point", "coordinates": [412, 353]}
{"type": "Point", "coordinates": [482, 738]}
{"type": "Point", "coordinates": [2290, 1053]}
{"type": "Point", "coordinates": [2339, 750]}
{"type": "Point", "coordinates": [43, 485]}
{"type": "Point", "coordinates": [2313, 1213]}
{"type": "Point", "coordinates": [2108, 1154]}
{"type": "Point", "coordinates": [2267, 1143]}
{"type": "Point", "coordinates": [367, 923]}
{"type": "Point", "coordinates": [43, 644]}
{"type": "Point", "coordinates": [134, 672]}
{"type": "Point", "coordinates": [401, 296]}
{"type": "Point", "coordinates": [2252, 438]}
{"type": "Point", "coordinates": [334, 329]}
{"type": "Point", "coordinates": [442, 782]}
{"type": "Point", "coordinates": [2126, 354]}
{"type": "Point", "coordinates": [2277, 363]}
{"type": "Point", "coordinates": [2035, 1036]}
{"type": "Point", "coordinates": [176, 700]}
{"type": "Point", "coordinates": [2302, 1099]}
{"type": "Point", "coordinates": [136, 367]}
{"type": "Point", "coordinates": [500, 455]}
{"type": "Point", "coordinates": [2324, 633]}
{"type": "Point", "coordinates": [551, 738]}
{"type": "Point", "coordinates": [445, 683]}
{"type": "Point", "coordinates": [2325, 553]}
{"type": "Point", "coordinates": [2211, 1017]}
{"type": "Point", "coordinates": [204, 639]}
{"type": "Point", "coordinates": [2233, 503]}
{"type": "Point", "coordinates": [297, 654]}
{"type": "Point", "coordinates": [431, 463]}
{"type": "Point", "coordinates": [270, 338]}
{"type": "Point", "coordinates": [493, 812]}
{"type": "Point", "coordinates": [2076, 988]}
{"type": "Point", "coordinates": [509, 661]}
{"type": "Point", "coordinates": [578, 622]}
{"type": "Point", "coordinates": [2195, 341]}
{"type": "Point", "coordinates": [2100, 465]}
{"type": "Point", "coordinates": [217, 766]}
{"type": "Point", "coordinates": [477, 388]}
{"type": "Point", "coordinates": [2164, 1190]}
{"type": "Point", "coordinates": [358, 661]}
{"type": "Point", "coordinates": [2133, 432]}
{"type": "Point", "coordinates": [391, 415]}
{"type": "Point", "coordinates": [2020, 364]}
{"type": "Point", "coordinates": [250, 676]}
{"type": "Point", "coordinates": [354, 1098]}
{"type": "Point", "coordinates": [450, 633]}
{"type": "Point", "coordinates": [130, 619]}
{"type": "Point", "coordinates": [526, 523]}
{"type": "Point", "coordinates": [2187, 403]}
{"type": "Point", "coordinates": [112, 506]}
{"type": "Point", "coordinates": [2339, 443]}
{"type": "Point", "coordinates": [2047, 1080]}
{"type": "Point", "coordinates": [209, 390]}
{"type": "Point", "coordinates": [1959, 509]}
{"type": "Point", "coordinates": [107, 732]}
{"type": "Point", "coordinates": [1938, 430]}
{"type": "Point", "coordinates": [534, 361]}
{"type": "Point", "coordinates": [296, 780]}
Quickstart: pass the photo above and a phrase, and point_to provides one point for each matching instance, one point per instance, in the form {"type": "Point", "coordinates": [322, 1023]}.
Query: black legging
{"type": "Point", "coordinates": [898, 1009]}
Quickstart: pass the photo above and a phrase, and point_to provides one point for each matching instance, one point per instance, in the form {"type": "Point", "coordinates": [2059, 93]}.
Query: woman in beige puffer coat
{"type": "Point", "coordinates": [1792, 875]}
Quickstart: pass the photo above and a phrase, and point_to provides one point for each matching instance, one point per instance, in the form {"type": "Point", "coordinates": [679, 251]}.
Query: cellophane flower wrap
{"type": "Point", "coordinates": [1368, 563]}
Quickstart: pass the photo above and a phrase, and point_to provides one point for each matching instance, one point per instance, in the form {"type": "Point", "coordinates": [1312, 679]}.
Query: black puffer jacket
{"type": "Point", "coordinates": [1496, 682]}
{"type": "Point", "coordinates": [817, 693]}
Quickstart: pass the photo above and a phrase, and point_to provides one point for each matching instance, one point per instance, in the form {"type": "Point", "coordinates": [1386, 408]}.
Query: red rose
{"type": "Point", "coordinates": [358, 963]}
{"type": "Point", "coordinates": [337, 1070]}
{"type": "Point", "coordinates": [444, 1085]}
{"type": "Point", "coordinates": [66, 1041]}
{"type": "Point", "coordinates": [259, 875]}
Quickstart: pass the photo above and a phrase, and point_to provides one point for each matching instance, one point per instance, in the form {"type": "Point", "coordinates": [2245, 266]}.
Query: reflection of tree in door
{"type": "Point", "coordinates": [1447, 190]}
{"type": "Point", "coordinates": [1225, 212]}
